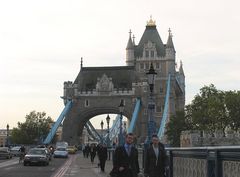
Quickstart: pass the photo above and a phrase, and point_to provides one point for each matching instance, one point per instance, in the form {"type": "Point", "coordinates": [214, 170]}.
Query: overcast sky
{"type": "Point", "coordinates": [41, 43]}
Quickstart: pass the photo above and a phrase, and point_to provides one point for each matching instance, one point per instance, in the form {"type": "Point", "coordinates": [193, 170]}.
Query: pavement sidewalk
{"type": "Point", "coordinates": [84, 168]}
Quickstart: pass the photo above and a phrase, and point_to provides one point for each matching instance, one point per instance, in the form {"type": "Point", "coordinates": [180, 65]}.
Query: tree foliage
{"type": "Point", "coordinates": [208, 110]}
{"type": "Point", "coordinates": [211, 110]}
{"type": "Point", "coordinates": [33, 130]}
{"type": "Point", "coordinates": [175, 126]}
{"type": "Point", "coordinates": [232, 102]}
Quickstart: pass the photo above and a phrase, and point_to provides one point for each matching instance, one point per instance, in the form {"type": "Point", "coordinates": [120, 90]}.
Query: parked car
{"type": "Point", "coordinates": [60, 152]}
{"type": "Point", "coordinates": [15, 151]}
{"type": "Point", "coordinates": [5, 153]}
{"type": "Point", "coordinates": [71, 149]}
{"type": "Point", "coordinates": [36, 156]}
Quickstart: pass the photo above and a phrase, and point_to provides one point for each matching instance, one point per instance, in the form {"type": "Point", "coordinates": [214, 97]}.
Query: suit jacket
{"type": "Point", "coordinates": [129, 162]}
{"type": "Point", "coordinates": [102, 153]}
{"type": "Point", "coordinates": [155, 167]}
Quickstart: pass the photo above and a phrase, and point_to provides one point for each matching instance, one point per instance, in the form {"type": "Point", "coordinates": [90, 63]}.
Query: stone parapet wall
{"type": "Point", "coordinates": [194, 139]}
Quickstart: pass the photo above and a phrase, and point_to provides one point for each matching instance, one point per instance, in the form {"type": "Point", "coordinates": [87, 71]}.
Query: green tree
{"type": "Point", "coordinates": [208, 111]}
{"type": "Point", "coordinates": [232, 102]}
{"type": "Point", "coordinates": [33, 130]}
{"type": "Point", "coordinates": [175, 126]}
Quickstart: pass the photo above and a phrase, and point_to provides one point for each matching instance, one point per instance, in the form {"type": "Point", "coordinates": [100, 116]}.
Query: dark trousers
{"type": "Point", "coordinates": [92, 157]}
{"type": "Point", "coordinates": [102, 164]}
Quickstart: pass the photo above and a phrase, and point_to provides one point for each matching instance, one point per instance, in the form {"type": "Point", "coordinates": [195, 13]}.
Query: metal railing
{"type": "Point", "coordinates": [219, 161]}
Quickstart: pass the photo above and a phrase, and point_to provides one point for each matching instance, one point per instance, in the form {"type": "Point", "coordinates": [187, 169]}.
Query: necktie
{"type": "Point", "coordinates": [129, 150]}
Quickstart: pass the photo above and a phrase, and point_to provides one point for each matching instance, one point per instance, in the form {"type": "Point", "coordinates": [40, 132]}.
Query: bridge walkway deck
{"type": "Point", "coordinates": [83, 167]}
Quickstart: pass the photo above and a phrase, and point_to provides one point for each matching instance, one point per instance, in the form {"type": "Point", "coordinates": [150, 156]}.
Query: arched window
{"type": "Point", "coordinates": [86, 103]}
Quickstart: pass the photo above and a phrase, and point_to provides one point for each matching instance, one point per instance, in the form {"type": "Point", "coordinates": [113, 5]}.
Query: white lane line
{"type": "Point", "coordinates": [8, 163]}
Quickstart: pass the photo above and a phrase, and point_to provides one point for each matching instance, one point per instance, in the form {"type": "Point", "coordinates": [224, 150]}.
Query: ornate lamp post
{"type": "Point", "coordinates": [108, 139]}
{"type": "Point", "coordinates": [7, 143]}
{"type": "Point", "coordinates": [120, 136]}
{"type": "Point", "coordinates": [151, 106]}
{"type": "Point", "coordinates": [108, 121]}
{"type": "Point", "coordinates": [101, 131]}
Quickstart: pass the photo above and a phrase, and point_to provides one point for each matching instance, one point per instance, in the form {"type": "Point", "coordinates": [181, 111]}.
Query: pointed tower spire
{"type": "Point", "coordinates": [133, 38]}
{"type": "Point", "coordinates": [181, 68]}
{"type": "Point", "coordinates": [130, 51]}
{"type": "Point", "coordinates": [81, 62]}
{"type": "Point", "coordinates": [130, 42]}
{"type": "Point", "coordinates": [169, 41]}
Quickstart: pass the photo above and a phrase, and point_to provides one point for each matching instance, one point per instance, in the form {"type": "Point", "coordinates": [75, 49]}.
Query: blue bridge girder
{"type": "Point", "coordinates": [134, 116]}
{"type": "Point", "coordinates": [165, 111]}
{"type": "Point", "coordinates": [54, 128]}
{"type": "Point", "coordinates": [92, 132]}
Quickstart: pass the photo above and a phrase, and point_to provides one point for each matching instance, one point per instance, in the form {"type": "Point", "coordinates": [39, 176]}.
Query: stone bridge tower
{"type": "Point", "coordinates": [99, 90]}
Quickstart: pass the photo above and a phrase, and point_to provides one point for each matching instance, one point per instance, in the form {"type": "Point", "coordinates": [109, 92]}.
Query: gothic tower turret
{"type": "Point", "coordinates": [181, 76]}
{"type": "Point", "coordinates": [130, 51]}
{"type": "Point", "coordinates": [170, 55]}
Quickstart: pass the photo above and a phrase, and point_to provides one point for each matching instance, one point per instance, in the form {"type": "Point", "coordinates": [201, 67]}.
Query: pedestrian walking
{"type": "Point", "coordinates": [92, 152]}
{"type": "Point", "coordinates": [125, 162]}
{"type": "Point", "coordinates": [102, 155]}
{"type": "Point", "coordinates": [84, 150]}
{"type": "Point", "coordinates": [87, 150]}
{"type": "Point", "coordinates": [155, 159]}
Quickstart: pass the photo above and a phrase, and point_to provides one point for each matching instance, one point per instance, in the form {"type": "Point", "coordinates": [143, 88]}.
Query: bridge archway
{"type": "Point", "coordinates": [75, 121]}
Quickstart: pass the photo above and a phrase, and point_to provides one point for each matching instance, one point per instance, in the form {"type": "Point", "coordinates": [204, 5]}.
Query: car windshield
{"type": "Point", "coordinates": [37, 151]}
{"type": "Point", "coordinates": [15, 148]}
{"type": "Point", "coordinates": [61, 149]}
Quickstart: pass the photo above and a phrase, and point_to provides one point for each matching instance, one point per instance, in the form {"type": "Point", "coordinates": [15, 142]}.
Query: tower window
{"type": "Point", "coordinates": [146, 53]}
{"type": "Point", "coordinates": [86, 103]}
{"type": "Point", "coordinates": [161, 90]}
{"type": "Point", "coordinates": [146, 66]}
{"type": "Point", "coordinates": [152, 53]}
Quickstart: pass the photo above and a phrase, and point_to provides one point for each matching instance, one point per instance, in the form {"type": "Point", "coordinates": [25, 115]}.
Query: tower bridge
{"type": "Point", "coordinates": [99, 90]}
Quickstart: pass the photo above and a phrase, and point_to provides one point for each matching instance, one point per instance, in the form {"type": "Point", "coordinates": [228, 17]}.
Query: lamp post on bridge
{"type": "Point", "coordinates": [120, 135]}
{"type": "Point", "coordinates": [151, 106]}
{"type": "Point", "coordinates": [102, 131]}
{"type": "Point", "coordinates": [108, 121]}
{"type": "Point", "coordinates": [7, 140]}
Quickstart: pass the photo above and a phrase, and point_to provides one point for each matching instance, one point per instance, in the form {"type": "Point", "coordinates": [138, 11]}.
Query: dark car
{"type": "Point", "coordinates": [5, 153]}
{"type": "Point", "coordinates": [36, 156]}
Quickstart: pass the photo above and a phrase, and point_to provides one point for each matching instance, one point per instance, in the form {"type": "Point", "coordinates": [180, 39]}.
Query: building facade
{"type": "Point", "coordinates": [4, 137]}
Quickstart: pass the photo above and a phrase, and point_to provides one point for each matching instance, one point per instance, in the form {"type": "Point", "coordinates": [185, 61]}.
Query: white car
{"type": "Point", "coordinates": [60, 152]}
{"type": "Point", "coordinates": [15, 150]}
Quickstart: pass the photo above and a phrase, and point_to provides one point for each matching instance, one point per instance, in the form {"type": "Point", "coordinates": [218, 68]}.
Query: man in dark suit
{"type": "Point", "coordinates": [155, 159]}
{"type": "Point", "coordinates": [125, 162]}
{"type": "Point", "coordinates": [102, 155]}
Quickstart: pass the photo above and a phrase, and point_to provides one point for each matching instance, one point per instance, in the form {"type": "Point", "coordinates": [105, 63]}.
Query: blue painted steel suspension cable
{"type": "Point", "coordinates": [165, 112]}
{"type": "Point", "coordinates": [58, 122]}
{"type": "Point", "coordinates": [134, 116]}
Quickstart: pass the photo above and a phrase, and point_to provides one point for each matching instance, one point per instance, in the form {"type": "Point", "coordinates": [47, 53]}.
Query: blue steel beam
{"type": "Point", "coordinates": [165, 111]}
{"type": "Point", "coordinates": [134, 116]}
{"type": "Point", "coordinates": [93, 130]}
{"type": "Point", "coordinates": [58, 122]}
{"type": "Point", "coordinates": [114, 130]}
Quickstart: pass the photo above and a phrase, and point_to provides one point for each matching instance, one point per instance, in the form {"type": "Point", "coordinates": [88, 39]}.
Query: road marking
{"type": "Point", "coordinates": [63, 169]}
{"type": "Point", "coordinates": [8, 163]}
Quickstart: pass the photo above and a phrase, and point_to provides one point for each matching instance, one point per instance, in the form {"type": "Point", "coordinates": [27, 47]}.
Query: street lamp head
{"type": "Point", "coordinates": [7, 126]}
{"type": "Point", "coordinates": [151, 75]}
{"type": "Point", "coordinates": [121, 107]}
{"type": "Point", "coordinates": [101, 124]}
{"type": "Point", "coordinates": [108, 119]}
